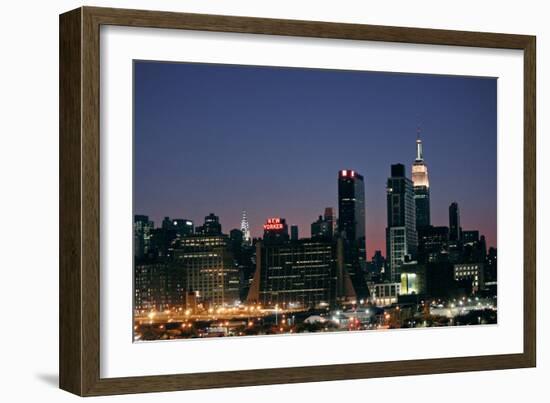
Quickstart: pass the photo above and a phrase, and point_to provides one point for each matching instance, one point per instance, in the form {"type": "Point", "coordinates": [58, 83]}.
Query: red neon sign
{"type": "Point", "coordinates": [273, 224]}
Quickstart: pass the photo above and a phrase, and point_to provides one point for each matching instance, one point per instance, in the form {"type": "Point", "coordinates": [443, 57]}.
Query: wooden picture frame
{"type": "Point", "coordinates": [79, 346]}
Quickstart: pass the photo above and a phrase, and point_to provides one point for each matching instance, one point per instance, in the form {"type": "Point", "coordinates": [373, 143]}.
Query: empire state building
{"type": "Point", "coordinates": [421, 186]}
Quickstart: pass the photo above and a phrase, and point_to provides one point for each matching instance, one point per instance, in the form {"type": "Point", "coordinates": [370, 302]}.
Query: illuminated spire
{"type": "Point", "coordinates": [245, 228]}
{"type": "Point", "coordinates": [419, 156]}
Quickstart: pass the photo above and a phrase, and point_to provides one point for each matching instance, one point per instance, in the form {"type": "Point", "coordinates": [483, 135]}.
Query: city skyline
{"type": "Point", "coordinates": [295, 190]}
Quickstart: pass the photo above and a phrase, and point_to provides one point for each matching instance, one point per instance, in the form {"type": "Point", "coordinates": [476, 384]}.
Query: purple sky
{"type": "Point", "coordinates": [223, 138]}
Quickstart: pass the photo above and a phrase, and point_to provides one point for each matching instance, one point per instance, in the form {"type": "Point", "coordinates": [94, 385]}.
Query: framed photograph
{"type": "Point", "coordinates": [249, 201]}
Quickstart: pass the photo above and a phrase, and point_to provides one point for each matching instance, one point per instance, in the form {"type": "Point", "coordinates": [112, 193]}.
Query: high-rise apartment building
{"type": "Point", "coordinates": [401, 235]}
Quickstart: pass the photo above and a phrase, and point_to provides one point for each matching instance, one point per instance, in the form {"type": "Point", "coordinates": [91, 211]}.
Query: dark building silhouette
{"type": "Point", "coordinates": [454, 223]}
{"type": "Point", "coordinates": [433, 244]}
{"type": "Point", "coordinates": [162, 242]}
{"type": "Point", "coordinates": [401, 235]}
{"type": "Point", "coordinates": [491, 265]}
{"type": "Point", "coordinates": [351, 205]}
{"type": "Point", "coordinates": [474, 247]}
{"type": "Point", "coordinates": [470, 236]}
{"type": "Point", "coordinates": [321, 229]}
{"type": "Point", "coordinates": [331, 219]}
{"type": "Point", "coordinates": [294, 236]}
{"type": "Point", "coordinates": [182, 226]}
{"type": "Point", "coordinates": [351, 226]}
{"type": "Point", "coordinates": [236, 236]}
{"type": "Point", "coordinates": [378, 261]}
{"type": "Point", "coordinates": [211, 226]}
{"type": "Point", "coordinates": [421, 186]}
{"type": "Point", "coordinates": [243, 254]}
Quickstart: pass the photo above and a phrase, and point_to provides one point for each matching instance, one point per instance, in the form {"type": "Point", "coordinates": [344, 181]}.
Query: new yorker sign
{"type": "Point", "coordinates": [274, 224]}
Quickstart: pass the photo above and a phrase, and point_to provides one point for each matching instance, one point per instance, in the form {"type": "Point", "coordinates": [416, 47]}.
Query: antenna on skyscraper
{"type": "Point", "coordinates": [419, 156]}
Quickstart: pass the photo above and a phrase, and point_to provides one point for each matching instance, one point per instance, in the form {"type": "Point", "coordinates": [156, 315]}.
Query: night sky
{"type": "Point", "coordinates": [223, 138]}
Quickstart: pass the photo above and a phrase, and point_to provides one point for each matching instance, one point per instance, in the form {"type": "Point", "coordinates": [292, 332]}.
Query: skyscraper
{"type": "Point", "coordinates": [351, 205]}
{"type": "Point", "coordinates": [401, 236]}
{"type": "Point", "coordinates": [421, 186]}
{"type": "Point", "coordinates": [351, 226]}
{"type": "Point", "coordinates": [245, 228]}
{"type": "Point", "coordinates": [454, 222]}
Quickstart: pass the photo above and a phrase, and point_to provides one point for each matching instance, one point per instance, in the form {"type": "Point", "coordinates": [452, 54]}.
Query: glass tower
{"type": "Point", "coordinates": [351, 226]}
{"type": "Point", "coordinates": [401, 235]}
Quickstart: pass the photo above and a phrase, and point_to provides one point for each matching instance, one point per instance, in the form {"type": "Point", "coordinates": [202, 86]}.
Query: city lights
{"type": "Point", "coordinates": [199, 282]}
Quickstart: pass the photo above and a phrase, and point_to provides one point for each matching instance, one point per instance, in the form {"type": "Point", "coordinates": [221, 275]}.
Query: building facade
{"type": "Point", "coordinates": [156, 288]}
{"type": "Point", "coordinates": [308, 273]}
{"type": "Point", "coordinates": [471, 272]}
{"type": "Point", "coordinates": [207, 267]}
{"type": "Point", "coordinates": [143, 229]}
{"type": "Point", "coordinates": [384, 294]}
{"type": "Point", "coordinates": [401, 235]}
{"type": "Point", "coordinates": [301, 273]}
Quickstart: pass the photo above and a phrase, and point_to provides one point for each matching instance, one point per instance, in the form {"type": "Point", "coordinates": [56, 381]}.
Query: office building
{"type": "Point", "coordinates": [207, 267]}
{"type": "Point", "coordinates": [155, 286]}
{"type": "Point", "coordinates": [384, 294]}
{"type": "Point", "coordinates": [304, 273]}
{"type": "Point", "coordinates": [351, 226]}
{"type": "Point", "coordinates": [351, 206]}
